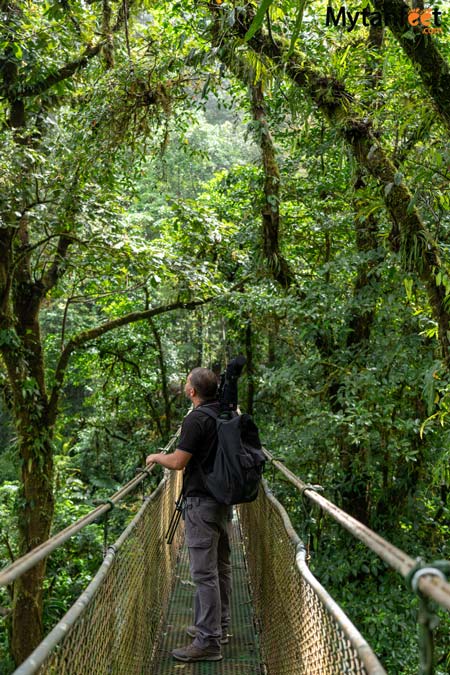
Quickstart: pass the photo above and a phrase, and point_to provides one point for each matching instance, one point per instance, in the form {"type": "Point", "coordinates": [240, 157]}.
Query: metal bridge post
{"type": "Point", "coordinates": [427, 618]}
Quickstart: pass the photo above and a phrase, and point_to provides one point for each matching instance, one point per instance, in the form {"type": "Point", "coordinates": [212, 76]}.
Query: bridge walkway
{"type": "Point", "coordinates": [241, 656]}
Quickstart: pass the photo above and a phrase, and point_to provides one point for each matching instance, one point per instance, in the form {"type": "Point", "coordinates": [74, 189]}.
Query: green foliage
{"type": "Point", "coordinates": [258, 19]}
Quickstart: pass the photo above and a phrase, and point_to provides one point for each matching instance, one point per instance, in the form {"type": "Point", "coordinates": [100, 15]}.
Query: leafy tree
{"type": "Point", "coordinates": [59, 212]}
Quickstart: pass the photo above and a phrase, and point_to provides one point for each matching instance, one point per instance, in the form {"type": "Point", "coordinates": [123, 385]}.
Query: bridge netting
{"type": "Point", "coordinates": [115, 626]}
{"type": "Point", "coordinates": [303, 631]}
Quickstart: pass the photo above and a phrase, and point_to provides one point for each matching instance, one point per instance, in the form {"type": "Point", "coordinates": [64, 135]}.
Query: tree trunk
{"type": "Point", "coordinates": [36, 506]}
{"type": "Point", "coordinates": [360, 319]}
{"type": "Point", "coordinates": [271, 206]}
{"type": "Point", "coordinates": [35, 515]}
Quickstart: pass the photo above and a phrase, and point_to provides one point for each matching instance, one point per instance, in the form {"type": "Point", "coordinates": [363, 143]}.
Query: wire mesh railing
{"type": "Point", "coordinates": [113, 626]}
{"type": "Point", "coordinates": [429, 581]}
{"type": "Point", "coordinates": [303, 631]}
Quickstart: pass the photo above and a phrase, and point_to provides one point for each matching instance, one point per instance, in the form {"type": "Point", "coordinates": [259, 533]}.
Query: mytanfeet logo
{"type": "Point", "coordinates": [427, 19]}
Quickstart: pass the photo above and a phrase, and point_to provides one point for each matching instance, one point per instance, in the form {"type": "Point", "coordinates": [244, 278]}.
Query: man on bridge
{"type": "Point", "coordinates": [207, 523]}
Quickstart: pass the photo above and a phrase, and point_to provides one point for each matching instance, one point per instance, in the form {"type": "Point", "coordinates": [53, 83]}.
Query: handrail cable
{"type": "Point", "coordinates": [428, 582]}
{"type": "Point", "coordinates": [27, 561]}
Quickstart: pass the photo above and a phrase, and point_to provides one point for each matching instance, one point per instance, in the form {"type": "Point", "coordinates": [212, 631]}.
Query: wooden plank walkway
{"type": "Point", "coordinates": [241, 656]}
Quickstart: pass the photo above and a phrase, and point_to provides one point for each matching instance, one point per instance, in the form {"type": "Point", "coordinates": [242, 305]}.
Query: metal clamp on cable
{"type": "Point", "coordinates": [433, 571]}
{"type": "Point", "coordinates": [143, 470]}
{"type": "Point", "coordinates": [427, 619]}
{"type": "Point", "coordinates": [309, 486]}
{"type": "Point", "coordinates": [438, 568]}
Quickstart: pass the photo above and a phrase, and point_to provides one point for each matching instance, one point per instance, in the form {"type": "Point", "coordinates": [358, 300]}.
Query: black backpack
{"type": "Point", "coordinates": [239, 461]}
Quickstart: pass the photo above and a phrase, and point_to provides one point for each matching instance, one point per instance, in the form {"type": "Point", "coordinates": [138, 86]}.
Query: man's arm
{"type": "Point", "coordinates": [176, 460]}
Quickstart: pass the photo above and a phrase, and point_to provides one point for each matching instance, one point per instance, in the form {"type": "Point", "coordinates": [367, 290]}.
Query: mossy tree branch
{"type": "Point", "coordinates": [418, 250]}
{"type": "Point", "coordinates": [278, 265]}
{"type": "Point", "coordinates": [423, 52]}
{"type": "Point", "coordinates": [71, 67]}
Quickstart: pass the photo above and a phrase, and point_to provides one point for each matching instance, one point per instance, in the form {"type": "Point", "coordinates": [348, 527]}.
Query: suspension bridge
{"type": "Point", "coordinates": [136, 608]}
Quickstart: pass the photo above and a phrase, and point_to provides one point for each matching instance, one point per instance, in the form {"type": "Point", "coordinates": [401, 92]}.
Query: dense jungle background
{"type": "Point", "coordinates": [181, 182]}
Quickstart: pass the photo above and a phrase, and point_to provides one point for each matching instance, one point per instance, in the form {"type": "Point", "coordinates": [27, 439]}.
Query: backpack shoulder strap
{"type": "Point", "coordinates": [213, 415]}
{"type": "Point", "coordinates": [208, 412]}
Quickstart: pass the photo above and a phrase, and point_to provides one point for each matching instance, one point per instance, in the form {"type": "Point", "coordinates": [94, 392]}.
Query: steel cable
{"type": "Point", "coordinates": [430, 585]}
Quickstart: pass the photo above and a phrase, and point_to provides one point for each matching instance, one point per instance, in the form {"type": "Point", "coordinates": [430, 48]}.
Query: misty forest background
{"type": "Point", "coordinates": [176, 189]}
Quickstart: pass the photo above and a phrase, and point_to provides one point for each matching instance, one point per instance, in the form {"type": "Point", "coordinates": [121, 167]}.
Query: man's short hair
{"type": "Point", "coordinates": [204, 382]}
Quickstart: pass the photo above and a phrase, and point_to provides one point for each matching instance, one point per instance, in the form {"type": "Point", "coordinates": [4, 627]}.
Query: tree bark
{"type": "Point", "coordinates": [362, 313]}
{"type": "Point", "coordinates": [25, 365]}
{"type": "Point", "coordinates": [34, 523]}
{"type": "Point", "coordinates": [271, 207]}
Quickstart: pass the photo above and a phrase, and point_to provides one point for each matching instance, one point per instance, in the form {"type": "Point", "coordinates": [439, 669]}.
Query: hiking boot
{"type": "Point", "coordinates": [192, 632]}
{"type": "Point", "coordinates": [192, 653]}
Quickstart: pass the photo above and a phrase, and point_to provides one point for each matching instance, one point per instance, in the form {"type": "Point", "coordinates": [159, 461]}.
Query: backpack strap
{"type": "Point", "coordinates": [213, 415]}
{"type": "Point", "coordinates": [208, 412]}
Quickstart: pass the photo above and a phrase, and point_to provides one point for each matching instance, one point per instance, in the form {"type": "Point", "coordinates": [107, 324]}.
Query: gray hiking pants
{"type": "Point", "coordinates": [207, 527]}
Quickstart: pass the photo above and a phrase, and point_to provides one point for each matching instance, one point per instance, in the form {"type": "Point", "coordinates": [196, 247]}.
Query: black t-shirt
{"type": "Point", "coordinates": [199, 438]}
